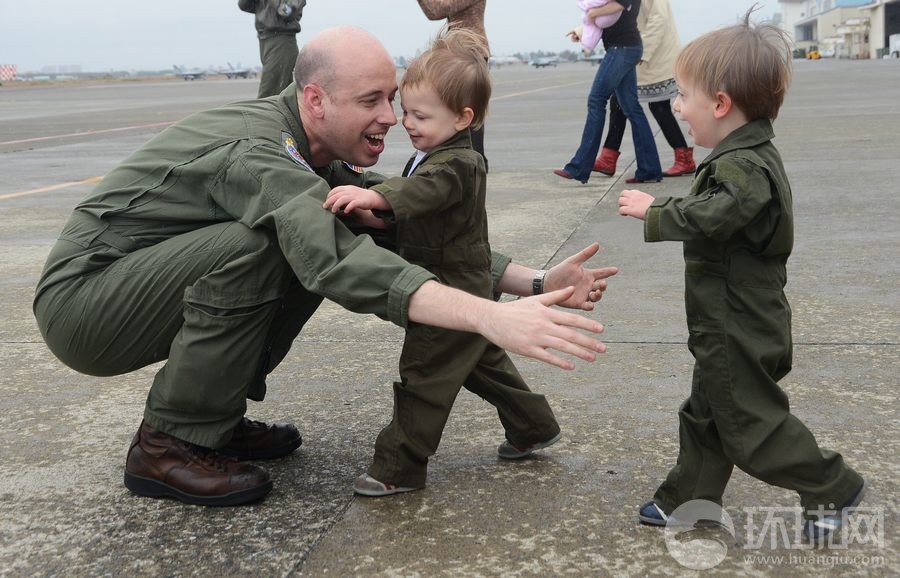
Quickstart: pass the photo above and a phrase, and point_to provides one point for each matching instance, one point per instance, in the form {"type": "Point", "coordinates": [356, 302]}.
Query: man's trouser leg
{"type": "Point", "coordinates": [278, 55]}
{"type": "Point", "coordinates": [738, 415]}
{"type": "Point", "coordinates": [205, 300]}
{"type": "Point", "coordinates": [295, 309]}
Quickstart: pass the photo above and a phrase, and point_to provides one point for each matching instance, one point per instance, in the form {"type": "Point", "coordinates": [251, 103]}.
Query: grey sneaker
{"type": "Point", "coordinates": [366, 485]}
{"type": "Point", "coordinates": [509, 451]}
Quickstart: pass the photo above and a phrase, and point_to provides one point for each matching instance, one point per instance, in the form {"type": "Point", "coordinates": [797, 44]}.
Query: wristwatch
{"type": "Point", "coordinates": [537, 284]}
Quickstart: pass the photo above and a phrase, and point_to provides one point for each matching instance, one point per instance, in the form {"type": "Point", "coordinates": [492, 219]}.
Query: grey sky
{"type": "Point", "coordinates": [127, 34]}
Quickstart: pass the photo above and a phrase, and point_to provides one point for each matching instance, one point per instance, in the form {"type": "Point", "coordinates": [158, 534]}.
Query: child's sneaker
{"type": "Point", "coordinates": [366, 485]}
{"type": "Point", "coordinates": [817, 530]}
{"type": "Point", "coordinates": [512, 452]}
{"type": "Point", "coordinates": [652, 515]}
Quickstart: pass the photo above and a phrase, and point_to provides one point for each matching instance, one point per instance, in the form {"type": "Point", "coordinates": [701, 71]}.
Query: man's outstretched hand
{"type": "Point", "coordinates": [589, 284]}
{"type": "Point", "coordinates": [529, 326]}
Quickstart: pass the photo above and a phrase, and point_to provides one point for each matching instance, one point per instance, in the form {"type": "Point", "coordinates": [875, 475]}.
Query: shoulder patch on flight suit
{"type": "Point", "coordinates": [291, 147]}
{"type": "Point", "coordinates": [353, 168]}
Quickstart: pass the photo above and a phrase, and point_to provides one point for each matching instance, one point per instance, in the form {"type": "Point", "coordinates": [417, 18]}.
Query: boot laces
{"type": "Point", "coordinates": [209, 458]}
{"type": "Point", "coordinates": [247, 425]}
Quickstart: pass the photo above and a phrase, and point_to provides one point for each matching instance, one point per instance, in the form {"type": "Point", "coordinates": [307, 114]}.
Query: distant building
{"type": "Point", "coordinates": [61, 69]}
{"type": "Point", "coordinates": [841, 28]}
{"type": "Point", "coordinates": [884, 21]}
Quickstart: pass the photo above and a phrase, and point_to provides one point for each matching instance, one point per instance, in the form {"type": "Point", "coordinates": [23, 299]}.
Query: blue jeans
{"type": "Point", "coordinates": [616, 75]}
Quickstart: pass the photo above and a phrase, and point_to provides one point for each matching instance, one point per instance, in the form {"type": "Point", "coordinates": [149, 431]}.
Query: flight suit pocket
{"type": "Point", "coordinates": [82, 229]}
{"type": "Point", "coordinates": [711, 355]}
{"type": "Point", "coordinates": [418, 345]}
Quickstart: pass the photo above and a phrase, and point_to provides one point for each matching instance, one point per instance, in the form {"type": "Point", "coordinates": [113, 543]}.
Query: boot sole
{"type": "Point", "coordinates": [151, 488]}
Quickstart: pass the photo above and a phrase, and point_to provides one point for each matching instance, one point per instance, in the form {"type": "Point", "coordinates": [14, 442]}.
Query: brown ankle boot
{"type": "Point", "coordinates": [159, 465]}
{"type": "Point", "coordinates": [606, 162]}
{"type": "Point", "coordinates": [684, 163]}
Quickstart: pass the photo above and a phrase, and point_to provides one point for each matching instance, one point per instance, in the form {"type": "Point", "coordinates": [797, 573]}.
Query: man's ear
{"type": "Point", "coordinates": [464, 119]}
{"type": "Point", "coordinates": [724, 105]}
{"type": "Point", "coordinates": [314, 100]}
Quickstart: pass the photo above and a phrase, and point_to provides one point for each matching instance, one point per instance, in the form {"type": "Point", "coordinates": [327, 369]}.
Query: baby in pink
{"type": "Point", "coordinates": [593, 28]}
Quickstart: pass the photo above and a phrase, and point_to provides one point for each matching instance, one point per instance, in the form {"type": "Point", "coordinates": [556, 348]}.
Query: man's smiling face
{"type": "Point", "coordinates": [359, 106]}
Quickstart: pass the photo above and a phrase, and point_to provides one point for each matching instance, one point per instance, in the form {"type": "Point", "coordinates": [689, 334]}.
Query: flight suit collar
{"type": "Point", "coordinates": [752, 134]}
{"type": "Point", "coordinates": [287, 104]}
{"type": "Point", "coordinates": [461, 140]}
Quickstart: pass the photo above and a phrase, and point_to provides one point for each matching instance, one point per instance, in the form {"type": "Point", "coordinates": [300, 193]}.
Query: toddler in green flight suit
{"type": "Point", "coordinates": [436, 215]}
{"type": "Point", "coordinates": [737, 229]}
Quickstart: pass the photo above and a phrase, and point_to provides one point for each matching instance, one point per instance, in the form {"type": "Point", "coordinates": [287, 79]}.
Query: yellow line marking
{"type": "Point", "coordinates": [51, 188]}
{"type": "Point", "coordinates": [87, 132]}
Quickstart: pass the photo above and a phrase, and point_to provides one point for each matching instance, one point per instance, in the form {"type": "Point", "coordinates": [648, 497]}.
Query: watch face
{"type": "Point", "coordinates": [537, 284]}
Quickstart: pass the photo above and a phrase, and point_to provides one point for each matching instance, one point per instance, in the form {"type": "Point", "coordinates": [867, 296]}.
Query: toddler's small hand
{"type": "Point", "coordinates": [634, 203]}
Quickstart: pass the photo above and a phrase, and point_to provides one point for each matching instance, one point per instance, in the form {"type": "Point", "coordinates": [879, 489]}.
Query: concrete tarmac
{"type": "Point", "coordinates": [571, 509]}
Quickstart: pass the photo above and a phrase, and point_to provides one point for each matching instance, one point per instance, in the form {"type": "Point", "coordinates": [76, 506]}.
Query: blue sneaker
{"type": "Point", "coordinates": [652, 515]}
{"type": "Point", "coordinates": [818, 529]}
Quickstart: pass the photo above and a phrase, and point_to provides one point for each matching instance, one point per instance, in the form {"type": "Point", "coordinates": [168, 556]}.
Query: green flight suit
{"type": "Point", "coordinates": [737, 228]}
{"type": "Point", "coordinates": [439, 220]}
{"type": "Point", "coordinates": [209, 248]}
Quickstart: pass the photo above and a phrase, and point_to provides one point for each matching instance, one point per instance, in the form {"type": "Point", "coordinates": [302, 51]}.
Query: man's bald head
{"type": "Point", "coordinates": [346, 82]}
{"type": "Point", "coordinates": [336, 52]}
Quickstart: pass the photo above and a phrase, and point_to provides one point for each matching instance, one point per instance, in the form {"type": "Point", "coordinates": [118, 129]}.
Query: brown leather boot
{"type": "Point", "coordinates": [254, 440]}
{"type": "Point", "coordinates": [606, 162]}
{"type": "Point", "coordinates": [684, 163]}
{"type": "Point", "coordinates": [159, 465]}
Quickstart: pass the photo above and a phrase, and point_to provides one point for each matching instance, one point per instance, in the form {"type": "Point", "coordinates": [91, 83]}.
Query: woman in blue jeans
{"type": "Point", "coordinates": [616, 75]}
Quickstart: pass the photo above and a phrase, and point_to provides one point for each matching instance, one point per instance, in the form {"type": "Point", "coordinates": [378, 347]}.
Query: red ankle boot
{"type": "Point", "coordinates": [684, 163]}
{"type": "Point", "coordinates": [606, 162]}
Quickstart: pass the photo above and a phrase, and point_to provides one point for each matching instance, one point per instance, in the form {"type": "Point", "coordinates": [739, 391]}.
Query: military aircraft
{"type": "Point", "coordinates": [232, 72]}
{"type": "Point", "coordinates": [542, 62]}
{"type": "Point", "coordinates": [193, 74]}
{"type": "Point", "coordinates": [502, 61]}
{"type": "Point", "coordinates": [593, 58]}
